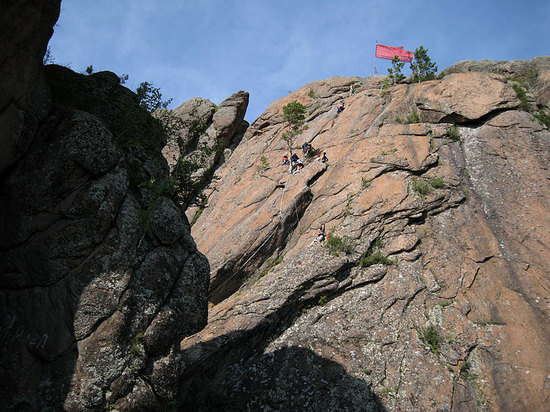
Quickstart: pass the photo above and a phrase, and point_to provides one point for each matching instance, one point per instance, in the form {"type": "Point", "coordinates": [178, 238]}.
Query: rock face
{"type": "Point", "coordinates": [431, 292]}
{"type": "Point", "coordinates": [100, 278]}
{"type": "Point", "coordinates": [434, 295]}
{"type": "Point", "coordinates": [205, 134]}
{"type": "Point", "coordinates": [24, 98]}
{"type": "Point", "coordinates": [223, 124]}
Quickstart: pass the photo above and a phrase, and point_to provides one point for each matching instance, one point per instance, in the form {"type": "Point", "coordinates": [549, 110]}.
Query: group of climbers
{"type": "Point", "coordinates": [296, 163]}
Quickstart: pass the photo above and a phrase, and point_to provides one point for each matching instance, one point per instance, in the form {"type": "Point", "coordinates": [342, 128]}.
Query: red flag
{"type": "Point", "coordinates": [388, 52]}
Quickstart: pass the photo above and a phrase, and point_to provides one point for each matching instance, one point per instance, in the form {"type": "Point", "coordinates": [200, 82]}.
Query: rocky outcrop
{"type": "Point", "coordinates": [432, 293]}
{"type": "Point", "coordinates": [204, 135]}
{"type": "Point", "coordinates": [24, 97]}
{"type": "Point", "coordinates": [99, 277]}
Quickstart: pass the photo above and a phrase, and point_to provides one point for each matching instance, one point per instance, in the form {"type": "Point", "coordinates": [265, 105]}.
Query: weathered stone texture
{"type": "Point", "coordinates": [99, 277]}
{"type": "Point", "coordinates": [458, 321]}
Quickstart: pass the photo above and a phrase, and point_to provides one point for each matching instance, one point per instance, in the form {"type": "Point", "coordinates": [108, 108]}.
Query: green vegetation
{"type": "Point", "coordinates": [422, 66]}
{"type": "Point", "coordinates": [395, 73]}
{"type": "Point", "coordinates": [123, 78]}
{"type": "Point", "coordinates": [337, 245]}
{"type": "Point", "coordinates": [198, 214]}
{"type": "Point", "coordinates": [468, 375]}
{"type": "Point", "coordinates": [411, 118]}
{"type": "Point", "coordinates": [150, 97]}
{"type": "Point", "coordinates": [384, 153]}
{"type": "Point", "coordinates": [375, 259]}
{"type": "Point", "coordinates": [426, 186]}
{"type": "Point", "coordinates": [135, 348]}
{"type": "Point", "coordinates": [139, 132]}
{"type": "Point", "coordinates": [264, 166]}
{"type": "Point", "coordinates": [156, 189]}
{"type": "Point", "coordinates": [313, 153]}
{"type": "Point", "coordinates": [294, 115]}
{"type": "Point", "coordinates": [188, 189]}
{"type": "Point", "coordinates": [421, 187]}
{"type": "Point", "coordinates": [522, 96]}
{"type": "Point", "coordinates": [348, 208]}
{"type": "Point", "coordinates": [436, 182]}
{"type": "Point", "coordinates": [431, 338]}
{"type": "Point", "coordinates": [89, 69]}
{"type": "Point", "coordinates": [542, 115]}
{"type": "Point", "coordinates": [311, 94]}
{"type": "Point", "coordinates": [373, 256]}
{"type": "Point", "coordinates": [520, 86]}
{"type": "Point", "coordinates": [453, 133]}
{"type": "Point", "coordinates": [322, 300]}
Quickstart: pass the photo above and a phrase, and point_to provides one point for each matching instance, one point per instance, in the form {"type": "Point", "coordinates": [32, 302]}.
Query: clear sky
{"type": "Point", "coordinates": [214, 48]}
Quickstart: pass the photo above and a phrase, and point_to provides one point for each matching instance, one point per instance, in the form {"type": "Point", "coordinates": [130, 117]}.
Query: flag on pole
{"type": "Point", "coordinates": [388, 52]}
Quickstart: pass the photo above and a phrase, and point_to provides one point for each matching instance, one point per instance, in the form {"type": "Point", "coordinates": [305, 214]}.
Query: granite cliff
{"type": "Point", "coordinates": [433, 292]}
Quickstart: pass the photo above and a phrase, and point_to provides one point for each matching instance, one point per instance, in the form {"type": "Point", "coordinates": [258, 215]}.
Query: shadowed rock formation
{"type": "Point", "coordinates": [204, 135]}
{"type": "Point", "coordinates": [434, 292]}
{"type": "Point", "coordinates": [26, 27]}
{"type": "Point", "coordinates": [99, 277]}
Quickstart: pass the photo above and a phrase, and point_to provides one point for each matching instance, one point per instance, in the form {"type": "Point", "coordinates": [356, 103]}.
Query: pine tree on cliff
{"type": "Point", "coordinates": [423, 68]}
{"type": "Point", "coordinates": [294, 115]}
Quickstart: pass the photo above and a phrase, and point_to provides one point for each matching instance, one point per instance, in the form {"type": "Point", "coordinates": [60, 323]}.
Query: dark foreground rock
{"type": "Point", "coordinates": [99, 277]}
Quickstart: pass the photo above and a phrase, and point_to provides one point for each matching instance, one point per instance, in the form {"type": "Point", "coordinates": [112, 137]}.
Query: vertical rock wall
{"type": "Point", "coordinates": [99, 276]}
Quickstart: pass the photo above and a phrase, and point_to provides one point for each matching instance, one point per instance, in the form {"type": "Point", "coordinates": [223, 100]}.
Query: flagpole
{"type": "Point", "coordinates": [374, 66]}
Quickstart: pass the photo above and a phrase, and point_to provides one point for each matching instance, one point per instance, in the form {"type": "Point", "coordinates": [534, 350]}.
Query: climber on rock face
{"type": "Point", "coordinates": [340, 107]}
{"type": "Point", "coordinates": [297, 165]}
{"type": "Point", "coordinates": [321, 234]}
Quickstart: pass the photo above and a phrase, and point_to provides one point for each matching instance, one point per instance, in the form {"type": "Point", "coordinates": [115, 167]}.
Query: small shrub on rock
{"type": "Point", "coordinates": [337, 245]}
{"type": "Point", "coordinates": [431, 338]}
{"type": "Point", "coordinates": [421, 187]}
{"type": "Point", "coordinates": [436, 182]}
{"type": "Point", "coordinates": [453, 133]}
{"type": "Point", "coordinates": [375, 259]}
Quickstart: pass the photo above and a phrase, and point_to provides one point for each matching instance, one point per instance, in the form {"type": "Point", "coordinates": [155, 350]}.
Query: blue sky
{"type": "Point", "coordinates": [214, 48]}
